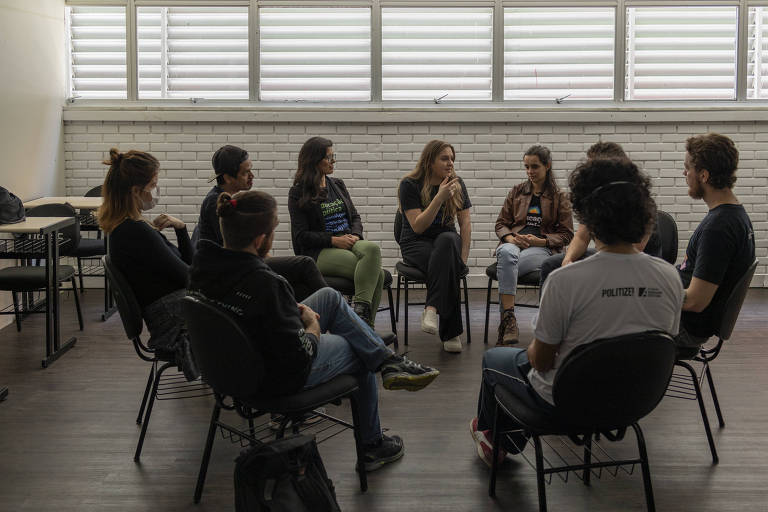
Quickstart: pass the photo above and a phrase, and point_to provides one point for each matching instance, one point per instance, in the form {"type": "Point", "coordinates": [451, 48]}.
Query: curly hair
{"type": "Point", "coordinates": [717, 154]}
{"type": "Point", "coordinates": [605, 150]}
{"type": "Point", "coordinates": [612, 197]}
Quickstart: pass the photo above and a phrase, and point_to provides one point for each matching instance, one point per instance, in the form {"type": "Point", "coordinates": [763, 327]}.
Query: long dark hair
{"type": "Point", "coordinates": [308, 177]}
{"type": "Point", "coordinates": [545, 157]}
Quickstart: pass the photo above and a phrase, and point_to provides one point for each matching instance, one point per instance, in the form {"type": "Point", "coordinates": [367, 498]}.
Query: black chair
{"type": "Point", "coordinates": [667, 229]}
{"type": "Point", "coordinates": [529, 280]}
{"type": "Point", "coordinates": [29, 277]}
{"type": "Point", "coordinates": [347, 288]}
{"type": "Point", "coordinates": [601, 389]}
{"type": "Point", "coordinates": [165, 381]}
{"type": "Point", "coordinates": [688, 385]}
{"type": "Point", "coordinates": [408, 275]}
{"type": "Point", "coordinates": [231, 366]}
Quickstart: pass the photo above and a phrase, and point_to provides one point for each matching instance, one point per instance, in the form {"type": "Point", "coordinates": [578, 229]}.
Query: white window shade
{"type": "Point", "coordinates": [97, 52]}
{"type": "Point", "coordinates": [757, 75]}
{"type": "Point", "coordinates": [676, 53]}
{"type": "Point", "coordinates": [192, 52]}
{"type": "Point", "coordinates": [315, 54]}
{"type": "Point", "coordinates": [552, 53]}
{"type": "Point", "coordinates": [437, 53]}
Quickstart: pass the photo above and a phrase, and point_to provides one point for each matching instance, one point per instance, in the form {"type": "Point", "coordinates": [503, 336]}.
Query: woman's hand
{"type": "Point", "coordinates": [164, 220]}
{"type": "Point", "coordinates": [534, 241]}
{"type": "Point", "coordinates": [344, 241]}
{"type": "Point", "coordinates": [518, 240]}
{"type": "Point", "coordinates": [448, 188]}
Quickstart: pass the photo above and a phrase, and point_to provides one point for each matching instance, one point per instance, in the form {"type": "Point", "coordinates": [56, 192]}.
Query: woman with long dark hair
{"type": "Point", "coordinates": [156, 269]}
{"type": "Point", "coordinates": [432, 197]}
{"type": "Point", "coordinates": [534, 223]}
{"type": "Point", "coordinates": [326, 226]}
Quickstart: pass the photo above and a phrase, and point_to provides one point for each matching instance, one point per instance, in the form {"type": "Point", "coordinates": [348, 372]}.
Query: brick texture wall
{"type": "Point", "coordinates": [371, 158]}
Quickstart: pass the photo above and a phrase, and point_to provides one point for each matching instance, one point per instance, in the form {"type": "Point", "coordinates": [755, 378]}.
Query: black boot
{"type": "Point", "coordinates": [363, 310]}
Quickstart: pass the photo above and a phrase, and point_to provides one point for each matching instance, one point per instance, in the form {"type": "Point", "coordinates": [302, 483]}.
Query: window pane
{"type": "Point", "coordinates": [437, 53]}
{"type": "Point", "coordinates": [757, 75]}
{"type": "Point", "coordinates": [681, 53]}
{"type": "Point", "coordinates": [192, 52]}
{"type": "Point", "coordinates": [309, 54]}
{"type": "Point", "coordinates": [97, 52]}
{"type": "Point", "coordinates": [552, 53]}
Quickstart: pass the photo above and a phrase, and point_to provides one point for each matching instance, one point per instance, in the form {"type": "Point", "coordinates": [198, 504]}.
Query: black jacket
{"type": "Point", "coordinates": [308, 224]}
{"type": "Point", "coordinates": [208, 223]}
{"type": "Point", "coordinates": [263, 304]}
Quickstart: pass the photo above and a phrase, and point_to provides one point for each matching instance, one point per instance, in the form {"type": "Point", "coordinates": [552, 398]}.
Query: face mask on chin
{"type": "Point", "coordinates": [154, 195]}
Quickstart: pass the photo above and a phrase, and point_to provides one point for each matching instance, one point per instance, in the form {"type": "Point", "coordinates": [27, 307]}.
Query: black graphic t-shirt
{"type": "Point", "coordinates": [720, 250]}
{"type": "Point", "coordinates": [335, 213]}
{"type": "Point", "coordinates": [533, 217]}
{"type": "Point", "coordinates": [410, 199]}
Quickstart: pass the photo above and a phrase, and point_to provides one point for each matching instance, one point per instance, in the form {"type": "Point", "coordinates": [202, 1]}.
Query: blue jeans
{"type": "Point", "coordinates": [349, 346]}
{"type": "Point", "coordinates": [514, 261]}
{"type": "Point", "coordinates": [510, 367]}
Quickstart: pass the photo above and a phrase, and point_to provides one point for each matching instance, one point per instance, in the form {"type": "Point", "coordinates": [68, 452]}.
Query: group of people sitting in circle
{"type": "Point", "coordinates": [307, 333]}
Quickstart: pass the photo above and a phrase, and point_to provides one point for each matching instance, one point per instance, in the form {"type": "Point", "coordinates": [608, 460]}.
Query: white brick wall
{"type": "Point", "coordinates": [371, 158]}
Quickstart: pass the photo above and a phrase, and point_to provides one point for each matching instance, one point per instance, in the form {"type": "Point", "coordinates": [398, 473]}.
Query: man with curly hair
{"type": "Point", "coordinates": [620, 290]}
{"type": "Point", "coordinates": [721, 248]}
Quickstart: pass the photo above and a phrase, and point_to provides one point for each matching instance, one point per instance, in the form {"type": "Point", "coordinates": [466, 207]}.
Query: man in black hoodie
{"type": "Point", "coordinates": [289, 336]}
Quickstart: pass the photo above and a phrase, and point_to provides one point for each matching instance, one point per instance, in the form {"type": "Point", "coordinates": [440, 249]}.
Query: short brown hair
{"type": "Point", "coordinates": [605, 150]}
{"type": "Point", "coordinates": [245, 216]}
{"type": "Point", "coordinates": [717, 154]}
{"type": "Point", "coordinates": [126, 170]}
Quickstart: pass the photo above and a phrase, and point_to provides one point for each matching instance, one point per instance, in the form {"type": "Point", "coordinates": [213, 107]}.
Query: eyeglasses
{"type": "Point", "coordinates": [331, 158]}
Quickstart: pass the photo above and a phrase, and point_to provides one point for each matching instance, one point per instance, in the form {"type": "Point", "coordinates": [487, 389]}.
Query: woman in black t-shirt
{"type": "Point", "coordinates": [534, 222]}
{"type": "Point", "coordinates": [432, 198]}
{"type": "Point", "coordinates": [326, 226]}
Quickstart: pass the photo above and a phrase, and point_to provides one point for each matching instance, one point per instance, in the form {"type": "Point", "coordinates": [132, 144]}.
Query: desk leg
{"type": "Point", "coordinates": [52, 309]}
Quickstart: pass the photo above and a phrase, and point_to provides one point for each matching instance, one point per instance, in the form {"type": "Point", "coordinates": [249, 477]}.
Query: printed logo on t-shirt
{"type": "Point", "coordinates": [335, 218]}
{"type": "Point", "coordinates": [533, 218]}
{"type": "Point", "coordinates": [630, 291]}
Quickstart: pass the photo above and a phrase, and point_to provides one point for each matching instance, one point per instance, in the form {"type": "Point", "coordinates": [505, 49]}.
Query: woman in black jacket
{"type": "Point", "coordinates": [326, 226]}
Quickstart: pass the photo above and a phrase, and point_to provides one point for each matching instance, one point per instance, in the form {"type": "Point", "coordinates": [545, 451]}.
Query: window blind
{"type": "Point", "coordinates": [192, 52]}
{"type": "Point", "coordinates": [97, 67]}
{"type": "Point", "coordinates": [757, 73]}
{"type": "Point", "coordinates": [676, 53]}
{"type": "Point", "coordinates": [315, 54]}
{"type": "Point", "coordinates": [430, 54]}
{"type": "Point", "coordinates": [553, 53]}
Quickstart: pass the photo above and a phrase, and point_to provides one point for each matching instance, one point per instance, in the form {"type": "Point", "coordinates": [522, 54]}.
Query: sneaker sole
{"type": "Point", "coordinates": [481, 452]}
{"type": "Point", "coordinates": [453, 350]}
{"type": "Point", "coordinates": [427, 329]}
{"type": "Point", "coordinates": [373, 466]}
{"type": "Point", "coordinates": [507, 343]}
{"type": "Point", "coordinates": [409, 382]}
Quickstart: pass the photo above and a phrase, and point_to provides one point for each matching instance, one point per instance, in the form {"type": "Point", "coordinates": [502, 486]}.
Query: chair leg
{"type": "Point", "coordinates": [704, 417]}
{"type": "Point", "coordinates": [540, 484]}
{"type": "Point", "coordinates": [360, 451]}
{"type": "Point", "coordinates": [207, 453]}
{"type": "Point", "coordinates": [151, 403]}
{"type": "Point", "coordinates": [466, 311]}
{"type": "Point", "coordinates": [146, 394]}
{"type": "Point", "coordinates": [587, 458]}
{"type": "Point", "coordinates": [80, 273]}
{"type": "Point", "coordinates": [392, 320]}
{"type": "Point", "coordinates": [496, 436]}
{"type": "Point", "coordinates": [397, 302]}
{"type": "Point", "coordinates": [649, 502]}
{"type": "Point", "coordinates": [712, 391]}
{"type": "Point", "coordinates": [16, 312]}
{"type": "Point", "coordinates": [487, 310]}
{"type": "Point", "coordinates": [77, 303]}
{"type": "Point", "coordinates": [405, 310]}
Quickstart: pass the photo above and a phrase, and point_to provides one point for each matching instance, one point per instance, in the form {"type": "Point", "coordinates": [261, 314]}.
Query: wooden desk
{"type": "Point", "coordinates": [77, 202]}
{"type": "Point", "coordinates": [48, 248]}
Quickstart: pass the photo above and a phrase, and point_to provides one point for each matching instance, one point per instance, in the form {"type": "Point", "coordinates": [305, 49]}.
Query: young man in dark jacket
{"type": "Point", "coordinates": [233, 174]}
{"type": "Point", "coordinates": [303, 345]}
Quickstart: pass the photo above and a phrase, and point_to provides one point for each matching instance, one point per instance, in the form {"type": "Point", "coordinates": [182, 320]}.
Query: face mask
{"type": "Point", "coordinates": [152, 202]}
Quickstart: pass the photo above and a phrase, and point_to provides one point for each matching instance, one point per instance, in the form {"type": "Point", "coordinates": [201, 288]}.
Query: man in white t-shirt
{"type": "Point", "coordinates": [618, 291]}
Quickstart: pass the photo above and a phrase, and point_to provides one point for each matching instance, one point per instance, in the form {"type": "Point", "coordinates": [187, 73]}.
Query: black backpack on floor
{"type": "Point", "coordinates": [285, 475]}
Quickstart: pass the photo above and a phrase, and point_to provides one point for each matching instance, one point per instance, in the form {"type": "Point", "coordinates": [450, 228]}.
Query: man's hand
{"type": "Point", "coordinates": [542, 355]}
{"type": "Point", "coordinates": [310, 319]}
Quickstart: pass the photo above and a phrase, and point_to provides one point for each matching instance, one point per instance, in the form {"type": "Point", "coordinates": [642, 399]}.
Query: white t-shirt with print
{"type": "Point", "coordinates": [603, 296]}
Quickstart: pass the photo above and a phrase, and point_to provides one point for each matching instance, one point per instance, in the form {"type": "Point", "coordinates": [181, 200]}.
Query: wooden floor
{"type": "Point", "coordinates": [67, 434]}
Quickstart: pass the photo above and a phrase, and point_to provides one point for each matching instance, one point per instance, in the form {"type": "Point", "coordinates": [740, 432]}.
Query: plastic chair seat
{"type": "Point", "coordinates": [414, 274]}
{"type": "Point", "coordinates": [529, 279]}
{"type": "Point", "coordinates": [90, 248]}
{"type": "Point", "coordinates": [30, 278]}
{"type": "Point", "coordinates": [303, 401]}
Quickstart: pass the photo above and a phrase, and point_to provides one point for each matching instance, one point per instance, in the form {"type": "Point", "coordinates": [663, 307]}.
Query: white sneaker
{"type": "Point", "coordinates": [453, 345]}
{"type": "Point", "coordinates": [429, 321]}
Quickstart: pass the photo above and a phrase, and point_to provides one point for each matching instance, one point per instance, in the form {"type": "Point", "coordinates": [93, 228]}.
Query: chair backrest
{"type": "Point", "coordinates": [127, 305]}
{"type": "Point", "coordinates": [613, 382]}
{"type": "Point", "coordinates": [734, 303]}
{"type": "Point", "coordinates": [72, 233]}
{"type": "Point", "coordinates": [667, 228]}
{"type": "Point", "coordinates": [195, 237]}
{"type": "Point", "coordinates": [398, 226]}
{"type": "Point", "coordinates": [227, 360]}
{"type": "Point", "coordinates": [94, 192]}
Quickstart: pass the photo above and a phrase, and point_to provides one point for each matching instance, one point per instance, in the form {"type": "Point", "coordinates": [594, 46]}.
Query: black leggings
{"type": "Point", "coordinates": [440, 260]}
{"type": "Point", "coordinates": [301, 273]}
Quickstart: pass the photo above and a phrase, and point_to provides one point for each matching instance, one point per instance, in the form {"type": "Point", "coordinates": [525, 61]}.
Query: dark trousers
{"type": "Point", "coordinates": [555, 261]}
{"type": "Point", "coordinates": [440, 260]}
{"type": "Point", "coordinates": [301, 273]}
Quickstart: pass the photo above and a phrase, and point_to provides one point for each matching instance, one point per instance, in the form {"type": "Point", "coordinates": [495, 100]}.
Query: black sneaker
{"type": "Point", "coordinates": [397, 372]}
{"type": "Point", "coordinates": [389, 449]}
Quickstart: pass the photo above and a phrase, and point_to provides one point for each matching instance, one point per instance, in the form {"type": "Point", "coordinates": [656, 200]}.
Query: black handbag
{"type": "Point", "coordinates": [11, 208]}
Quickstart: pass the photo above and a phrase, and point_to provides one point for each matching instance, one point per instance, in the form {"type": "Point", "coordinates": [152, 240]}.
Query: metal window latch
{"type": "Point", "coordinates": [440, 99]}
{"type": "Point", "coordinates": [560, 100]}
